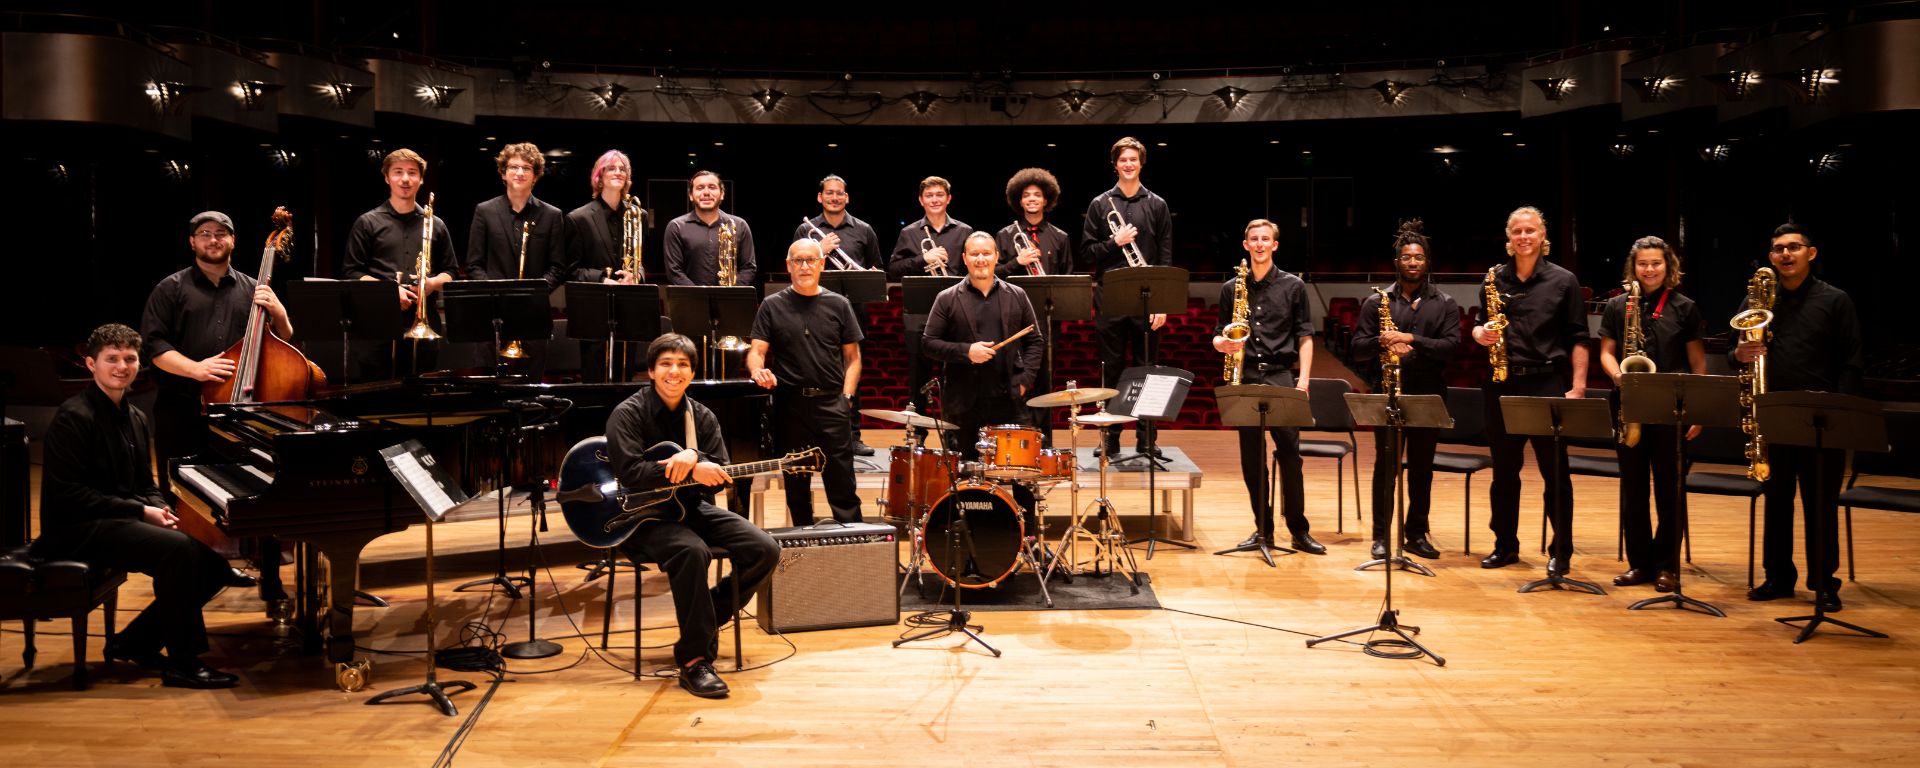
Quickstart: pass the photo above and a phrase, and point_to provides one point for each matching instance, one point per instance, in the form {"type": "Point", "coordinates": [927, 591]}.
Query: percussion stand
{"type": "Point", "coordinates": [1110, 543]}
{"type": "Point", "coordinates": [916, 514]}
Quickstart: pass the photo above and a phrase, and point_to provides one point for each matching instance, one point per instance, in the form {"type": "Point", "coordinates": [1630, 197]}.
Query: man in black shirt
{"type": "Point", "coordinates": [814, 342]}
{"type": "Point", "coordinates": [838, 229]}
{"type": "Point", "coordinates": [1671, 330]}
{"type": "Point", "coordinates": [693, 241]}
{"type": "Point", "coordinates": [384, 244]}
{"type": "Point", "coordinates": [1427, 333]}
{"type": "Point", "coordinates": [1813, 345]}
{"type": "Point", "coordinates": [1546, 327]}
{"type": "Point", "coordinates": [1282, 337]}
{"type": "Point", "coordinates": [1147, 225]}
{"type": "Point", "coordinates": [99, 504]}
{"type": "Point", "coordinates": [596, 245]}
{"type": "Point", "coordinates": [1032, 194]}
{"type": "Point", "coordinates": [683, 548]}
{"type": "Point", "coordinates": [982, 386]}
{"type": "Point", "coordinates": [949, 236]}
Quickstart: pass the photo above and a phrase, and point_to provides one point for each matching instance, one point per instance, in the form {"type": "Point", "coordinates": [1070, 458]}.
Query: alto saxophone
{"type": "Point", "coordinates": [1752, 324]}
{"type": "Point", "coordinates": [1389, 359]}
{"type": "Point", "coordinates": [1496, 324]}
{"type": "Point", "coordinates": [633, 223]}
{"type": "Point", "coordinates": [421, 331]}
{"type": "Point", "coordinates": [729, 266]}
{"type": "Point", "coordinates": [1238, 329]}
{"type": "Point", "coordinates": [1635, 360]}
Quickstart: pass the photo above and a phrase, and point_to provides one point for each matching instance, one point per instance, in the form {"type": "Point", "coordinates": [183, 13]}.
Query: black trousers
{"type": "Point", "coordinates": [1118, 336]}
{"type": "Point", "coordinates": [1508, 456]}
{"type": "Point", "coordinates": [683, 550]}
{"type": "Point", "coordinates": [1649, 548]}
{"type": "Point", "coordinates": [186, 574]}
{"type": "Point", "coordinates": [985, 411]}
{"type": "Point", "coordinates": [1418, 446]}
{"type": "Point", "coordinates": [1793, 468]}
{"type": "Point", "coordinates": [802, 422]}
{"type": "Point", "coordinates": [1286, 451]}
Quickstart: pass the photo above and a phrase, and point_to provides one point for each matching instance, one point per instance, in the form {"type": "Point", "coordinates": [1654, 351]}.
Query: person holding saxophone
{"type": "Point", "coordinates": [696, 241]}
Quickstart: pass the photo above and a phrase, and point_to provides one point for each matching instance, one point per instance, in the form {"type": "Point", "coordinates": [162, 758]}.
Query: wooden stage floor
{"type": "Point", "coordinates": [1220, 676]}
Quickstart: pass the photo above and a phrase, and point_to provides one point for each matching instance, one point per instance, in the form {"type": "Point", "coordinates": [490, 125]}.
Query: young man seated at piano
{"type": "Point", "coordinates": [99, 504]}
{"type": "Point", "coordinates": [683, 547]}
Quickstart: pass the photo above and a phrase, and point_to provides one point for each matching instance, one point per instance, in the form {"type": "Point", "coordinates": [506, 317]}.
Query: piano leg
{"type": "Point", "coordinates": [343, 576]}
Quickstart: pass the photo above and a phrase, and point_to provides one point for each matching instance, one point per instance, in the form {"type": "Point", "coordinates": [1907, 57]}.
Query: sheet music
{"type": "Point", "coordinates": [421, 481]}
{"type": "Point", "coordinates": [1155, 392]}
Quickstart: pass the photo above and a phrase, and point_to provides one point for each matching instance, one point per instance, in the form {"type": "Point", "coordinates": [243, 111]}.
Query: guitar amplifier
{"type": "Point", "coordinates": [831, 576]}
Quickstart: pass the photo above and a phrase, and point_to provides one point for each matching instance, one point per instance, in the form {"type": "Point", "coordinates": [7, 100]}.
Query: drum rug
{"type": "Point", "coordinates": [1021, 592]}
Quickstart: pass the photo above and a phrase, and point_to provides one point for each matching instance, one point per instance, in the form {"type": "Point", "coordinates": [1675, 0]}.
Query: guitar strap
{"type": "Point", "coordinates": [693, 439]}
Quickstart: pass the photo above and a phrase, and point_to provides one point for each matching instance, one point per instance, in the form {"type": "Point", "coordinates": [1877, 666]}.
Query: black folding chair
{"type": "Point", "coordinates": [1469, 429]}
{"type": "Point", "coordinates": [1328, 397]}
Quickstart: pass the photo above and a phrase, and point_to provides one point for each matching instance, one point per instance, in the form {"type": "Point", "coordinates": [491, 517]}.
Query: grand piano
{"type": "Point", "coordinates": [310, 472]}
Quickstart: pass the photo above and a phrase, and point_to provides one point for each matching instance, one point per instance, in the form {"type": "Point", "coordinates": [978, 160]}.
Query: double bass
{"type": "Point", "coordinates": [266, 368]}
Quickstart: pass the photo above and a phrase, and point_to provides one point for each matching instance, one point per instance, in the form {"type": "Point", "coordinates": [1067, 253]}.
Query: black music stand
{"type": "Point", "coordinates": [1152, 393]}
{"type": "Point", "coordinates": [1264, 406]}
{"type": "Point", "coordinates": [613, 313]}
{"type": "Point", "coordinates": [917, 293]}
{"type": "Point", "coordinates": [1145, 291]}
{"type": "Point", "coordinates": [722, 311]}
{"type": "Point", "coordinates": [414, 469]}
{"type": "Point", "coordinates": [1058, 299]}
{"type": "Point", "coordinates": [1821, 420]}
{"type": "Point", "coordinates": [364, 310]}
{"type": "Point", "coordinates": [1679, 400]}
{"type": "Point", "coordinates": [860, 286]}
{"type": "Point", "coordinates": [1559, 418]}
{"type": "Point", "coordinates": [497, 311]}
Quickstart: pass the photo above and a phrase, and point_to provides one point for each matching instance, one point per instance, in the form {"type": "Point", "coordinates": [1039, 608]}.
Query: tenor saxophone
{"type": "Point", "coordinates": [1635, 360]}
{"type": "Point", "coordinates": [1752, 324]}
{"type": "Point", "coordinates": [1496, 324]}
{"type": "Point", "coordinates": [1238, 329]}
{"type": "Point", "coordinates": [1389, 359]}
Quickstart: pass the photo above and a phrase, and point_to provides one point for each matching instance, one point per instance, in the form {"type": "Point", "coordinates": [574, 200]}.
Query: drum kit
{"type": "Point", "coordinates": [997, 505]}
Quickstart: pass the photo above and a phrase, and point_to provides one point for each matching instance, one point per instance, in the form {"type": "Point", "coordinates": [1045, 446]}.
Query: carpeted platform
{"type": "Point", "coordinates": [1021, 592]}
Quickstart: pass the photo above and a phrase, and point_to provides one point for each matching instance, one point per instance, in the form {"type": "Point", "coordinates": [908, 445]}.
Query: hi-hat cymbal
{"type": "Point", "coordinates": [1072, 397]}
{"type": "Point", "coordinates": [909, 419]}
{"type": "Point", "coordinates": [1103, 419]}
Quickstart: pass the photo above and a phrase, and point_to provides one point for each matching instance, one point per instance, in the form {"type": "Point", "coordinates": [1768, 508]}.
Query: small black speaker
{"type": "Point", "coordinates": [831, 576]}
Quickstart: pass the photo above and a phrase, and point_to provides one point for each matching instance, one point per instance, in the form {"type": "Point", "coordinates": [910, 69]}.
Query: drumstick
{"type": "Point", "coordinates": [1010, 339]}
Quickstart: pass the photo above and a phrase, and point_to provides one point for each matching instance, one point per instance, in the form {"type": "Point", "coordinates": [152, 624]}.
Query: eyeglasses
{"type": "Point", "coordinates": [1788, 248]}
{"type": "Point", "coordinates": [511, 167]}
{"type": "Point", "coordinates": [807, 262]}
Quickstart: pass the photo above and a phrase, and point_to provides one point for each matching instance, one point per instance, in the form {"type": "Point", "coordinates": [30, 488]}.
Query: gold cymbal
{"type": "Point", "coordinates": [1072, 397]}
{"type": "Point", "coordinates": [909, 419]}
{"type": "Point", "coordinates": [1103, 419]}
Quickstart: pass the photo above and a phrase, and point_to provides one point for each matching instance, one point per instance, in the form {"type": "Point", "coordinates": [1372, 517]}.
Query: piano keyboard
{"type": "Point", "coordinates": [219, 484]}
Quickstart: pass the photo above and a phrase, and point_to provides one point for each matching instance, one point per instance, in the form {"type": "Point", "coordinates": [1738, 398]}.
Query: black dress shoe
{"type": "Point", "coordinates": [198, 676]}
{"type": "Point", "coordinates": [1378, 550]}
{"type": "Point", "coordinates": [1255, 539]}
{"type": "Point", "coordinates": [1304, 542]}
{"type": "Point", "coordinates": [700, 680]}
{"type": "Point", "coordinates": [862, 449]}
{"type": "Point", "coordinates": [1420, 546]}
{"type": "Point", "coordinates": [1556, 566]}
{"type": "Point", "coordinates": [1827, 602]}
{"type": "Point", "coordinates": [1633, 577]}
{"type": "Point", "coordinates": [1500, 559]}
{"type": "Point", "coordinates": [1665, 582]}
{"type": "Point", "coordinates": [240, 579]}
{"type": "Point", "coordinates": [1769, 591]}
{"type": "Point", "coordinates": [146, 659]}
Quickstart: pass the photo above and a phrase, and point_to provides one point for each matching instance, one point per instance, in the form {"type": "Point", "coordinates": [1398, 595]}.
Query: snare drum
{"type": "Point", "coordinates": [929, 481]}
{"type": "Point", "coordinates": [1011, 451]}
{"type": "Point", "coordinates": [994, 534]}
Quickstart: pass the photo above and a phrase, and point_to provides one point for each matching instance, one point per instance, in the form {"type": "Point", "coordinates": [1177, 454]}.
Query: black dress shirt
{"type": "Point", "coordinates": [1056, 248]}
{"type": "Point", "coordinates": [594, 237]}
{"type": "Point", "coordinates": [1545, 315]}
{"type": "Point", "coordinates": [642, 420]}
{"type": "Point", "coordinates": [383, 244]}
{"type": "Point", "coordinates": [805, 336]}
{"type": "Point", "coordinates": [1277, 309]}
{"type": "Point", "coordinates": [189, 314]}
{"type": "Point", "coordinates": [962, 315]}
{"type": "Point", "coordinates": [1666, 336]}
{"type": "Point", "coordinates": [1434, 320]}
{"type": "Point", "coordinates": [97, 468]}
{"type": "Point", "coordinates": [693, 248]}
{"type": "Point", "coordinates": [1815, 344]}
{"type": "Point", "coordinates": [907, 260]}
{"type": "Point", "coordinates": [1146, 211]}
{"type": "Point", "coordinates": [857, 240]}
{"type": "Point", "coordinates": [493, 247]}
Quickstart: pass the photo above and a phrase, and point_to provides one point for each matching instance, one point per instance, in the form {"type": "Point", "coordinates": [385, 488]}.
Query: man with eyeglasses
{"type": "Point", "coordinates": [1814, 344]}
{"type": "Point", "coordinates": [494, 242]}
{"type": "Point", "coordinates": [806, 348]}
{"type": "Point", "coordinates": [853, 237]}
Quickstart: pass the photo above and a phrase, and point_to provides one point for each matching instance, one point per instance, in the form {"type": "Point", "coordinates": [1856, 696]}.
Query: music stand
{"type": "Point", "coordinates": [366, 310]}
{"type": "Point", "coordinates": [1152, 393]}
{"type": "Point", "coordinates": [860, 286]}
{"type": "Point", "coordinates": [722, 311]}
{"type": "Point", "coordinates": [1821, 421]}
{"type": "Point", "coordinates": [497, 310]}
{"type": "Point", "coordinates": [415, 470]}
{"type": "Point", "coordinates": [613, 313]}
{"type": "Point", "coordinates": [1679, 400]}
{"type": "Point", "coordinates": [1559, 418]}
{"type": "Point", "coordinates": [1058, 298]}
{"type": "Point", "coordinates": [917, 293]}
{"type": "Point", "coordinates": [1264, 406]}
{"type": "Point", "coordinates": [1393, 415]}
{"type": "Point", "coordinates": [1144, 291]}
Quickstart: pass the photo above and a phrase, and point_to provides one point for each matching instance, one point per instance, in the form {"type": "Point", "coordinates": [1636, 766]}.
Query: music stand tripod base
{"type": "Point", "coordinates": [1262, 407]}
{"type": "Point", "coordinates": [1400, 563]}
{"type": "Point", "coordinates": [1387, 647]}
{"type": "Point", "coordinates": [1559, 418]}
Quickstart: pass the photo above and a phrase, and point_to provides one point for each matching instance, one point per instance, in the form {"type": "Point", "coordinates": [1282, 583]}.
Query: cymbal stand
{"type": "Point", "coordinates": [916, 515]}
{"type": "Point", "coordinates": [1110, 542]}
{"type": "Point", "coordinates": [508, 584]}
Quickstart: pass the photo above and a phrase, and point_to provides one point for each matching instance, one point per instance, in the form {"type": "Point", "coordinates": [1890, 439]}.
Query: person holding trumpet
{"type": "Point", "coordinates": [1032, 245]}
{"type": "Point", "coordinates": [1126, 226]}
{"type": "Point", "coordinates": [926, 247]}
{"type": "Point", "coordinates": [987, 379]}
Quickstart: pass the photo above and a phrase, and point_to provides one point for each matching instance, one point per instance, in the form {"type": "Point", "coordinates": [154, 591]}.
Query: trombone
{"type": "Point", "coordinates": [421, 330]}
{"type": "Point", "coordinates": [1022, 243]}
{"type": "Point", "coordinates": [633, 234]}
{"type": "Point", "coordinates": [512, 350]}
{"type": "Point", "coordinates": [1115, 222]}
{"type": "Point", "coordinates": [926, 246]}
{"type": "Point", "coordinates": [839, 257]}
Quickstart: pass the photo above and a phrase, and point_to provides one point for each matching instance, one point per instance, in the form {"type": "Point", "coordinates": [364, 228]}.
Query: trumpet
{"type": "Point", "coordinates": [1636, 360]}
{"type": "Point", "coordinates": [1752, 324]}
{"type": "Point", "coordinates": [1239, 329]}
{"type": "Point", "coordinates": [1131, 250]}
{"type": "Point", "coordinates": [1495, 324]}
{"type": "Point", "coordinates": [512, 350]}
{"type": "Point", "coordinates": [633, 223]}
{"type": "Point", "coordinates": [421, 331]}
{"type": "Point", "coordinates": [1022, 243]}
{"type": "Point", "coordinates": [937, 269]}
{"type": "Point", "coordinates": [839, 258]}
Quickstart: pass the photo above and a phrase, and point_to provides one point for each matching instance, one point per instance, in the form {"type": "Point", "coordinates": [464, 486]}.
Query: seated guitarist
{"type": "Point", "coordinates": [663, 413]}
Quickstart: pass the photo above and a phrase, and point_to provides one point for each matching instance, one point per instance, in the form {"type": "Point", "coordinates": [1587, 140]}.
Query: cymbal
{"type": "Point", "coordinates": [1104, 419]}
{"type": "Point", "coordinates": [909, 419]}
{"type": "Point", "coordinates": [1072, 397]}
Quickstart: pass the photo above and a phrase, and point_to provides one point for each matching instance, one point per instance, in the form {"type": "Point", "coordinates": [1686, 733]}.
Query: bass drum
{"type": "Point", "coordinates": [990, 548]}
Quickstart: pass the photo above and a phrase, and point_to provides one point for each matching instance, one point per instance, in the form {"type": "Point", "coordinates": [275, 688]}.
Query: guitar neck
{"type": "Point", "coordinates": [753, 467]}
